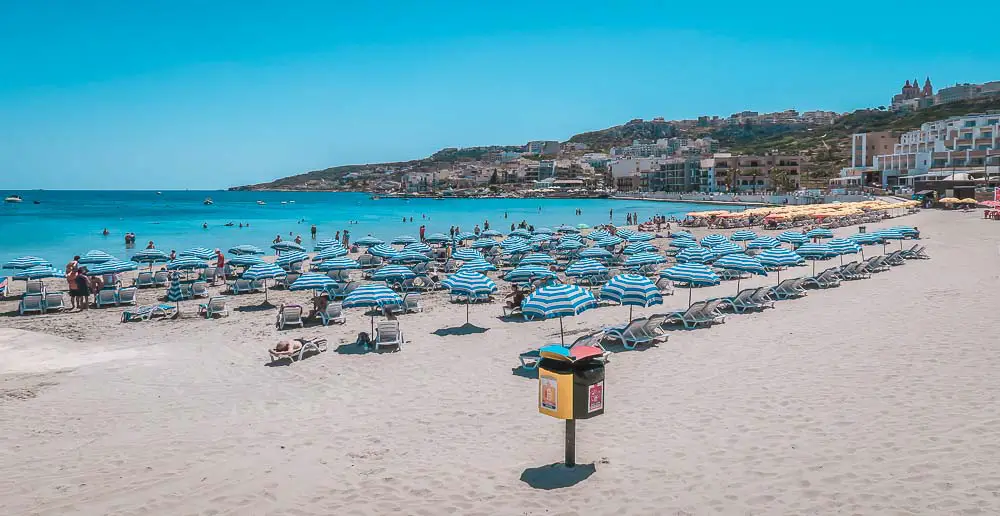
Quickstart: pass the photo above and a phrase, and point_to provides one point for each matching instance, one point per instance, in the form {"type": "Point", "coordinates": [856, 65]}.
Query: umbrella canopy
{"type": "Point", "coordinates": [639, 247]}
{"type": "Point", "coordinates": [245, 249]}
{"type": "Point", "coordinates": [201, 253]}
{"type": "Point", "coordinates": [290, 258]}
{"type": "Point", "coordinates": [820, 233]}
{"type": "Point", "coordinates": [333, 251]}
{"type": "Point", "coordinates": [404, 239]}
{"type": "Point", "coordinates": [684, 243]}
{"type": "Point", "coordinates": [511, 241]}
{"type": "Point", "coordinates": [288, 245]}
{"type": "Point", "coordinates": [815, 251]}
{"type": "Point", "coordinates": [743, 235]}
{"type": "Point", "coordinates": [569, 245]}
{"type": "Point", "coordinates": [598, 234]}
{"type": "Point", "coordinates": [520, 232]}
{"type": "Point", "coordinates": [741, 263]}
{"type": "Point", "coordinates": [573, 236]}
{"type": "Point", "coordinates": [713, 240]}
{"type": "Point", "coordinates": [537, 239]}
{"type": "Point", "coordinates": [517, 248]}
{"type": "Point", "coordinates": [608, 241]}
{"type": "Point", "coordinates": [466, 254]}
{"type": "Point", "coordinates": [631, 290]}
{"type": "Point", "coordinates": [150, 256]}
{"type": "Point", "coordinates": [695, 255]}
{"type": "Point", "coordinates": [537, 259]}
{"type": "Point", "coordinates": [544, 230]}
{"type": "Point", "coordinates": [409, 257]}
{"type": "Point", "coordinates": [112, 267]}
{"type": "Point", "coordinates": [263, 271]}
{"type": "Point", "coordinates": [371, 295]}
{"type": "Point", "coordinates": [246, 260]}
{"type": "Point", "coordinates": [490, 233]}
{"type": "Point", "coordinates": [417, 247]}
{"type": "Point", "coordinates": [382, 251]}
{"type": "Point", "coordinates": [844, 246]}
{"type": "Point", "coordinates": [38, 272]}
{"type": "Point", "coordinates": [25, 262]}
{"type": "Point", "coordinates": [763, 242]}
{"type": "Point", "coordinates": [595, 252]}
{"type": "Point", "coordinates": [322, 244]}
{"type": "Point", "coordinates": [368, 241]}
{"type": "Point", "coordinates": [694, 274]}
{"type": "Point", "coordinates": [312, 281]}
{"type": "Point", "coordinates": [865, 238]}
{"type": "Point", "coordinates": [174, 289]}
{"type": "Point", "coordinates": [682, 234]}
{"type": "Point", "coordinates": [95, 256]}
{"type": "Point", "coordinates": [793, 237]}
{"type": "Point", "coordinates": [638, 237]}
{"type": "Point", "coordinates": [563, 228]}
{"type": "Point", "coordinates": [437, 238]}
{"type": "Point", "coordinates": [779, 257]}
{"type": "Point", "coordinates": [466, 235]}
{"type": "Point", "coordinates": [912, 231]}
{"type": "Point", "coordinates": [478, 265]}
{"type": "Point", "coordinates": [469, 283]}
{"type": "Point", "coordinates": [484, 243]}
{"type": "Point", "coordinates": [890, 234]}
{"type": "Point", "coordinates": [338, 264]}
{"type": "Point", "coordinates": [586, 267]}
{"type": "Point", "coordinates": [726, 248]}
{"type": "Point", "coordinates": [528, 273]}
{"type": "Point", "coordinates": [638, 260]}
{"type": "Point", "coordinates": [393, 272]}
{"type": "Point", "coordinates": [558, 301]}
{"type": "Point", "coordinates": [186, 263]}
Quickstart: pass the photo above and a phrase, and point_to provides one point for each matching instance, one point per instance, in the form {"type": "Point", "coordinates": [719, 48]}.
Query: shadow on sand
{"type": "Point", "coordinates": [557, 476]}
{"type": "Point", "coordinates": [465, 329]}
{"type": "Point", "coordinates": [524, 372]}
{"type": "Point", "coordinates": [255, 308]}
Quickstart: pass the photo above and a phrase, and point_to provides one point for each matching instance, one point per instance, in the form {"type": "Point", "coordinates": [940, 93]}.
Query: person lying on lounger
{"type": "Point", "coordinates": [289, 347]}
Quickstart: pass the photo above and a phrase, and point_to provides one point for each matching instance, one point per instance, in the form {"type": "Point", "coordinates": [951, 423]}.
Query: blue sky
{"type": "Point", "coordinates": [198, 95]}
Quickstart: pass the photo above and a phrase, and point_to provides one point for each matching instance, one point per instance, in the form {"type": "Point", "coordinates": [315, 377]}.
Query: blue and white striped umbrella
{"type": "Point", "coordinates": [490, 233]}
{"type": "Point", "coordinates": [333, 251]}
{"type": "Point", "coordinates": [409, 257]}
{"type": "Point", "coordinates": [466, 254]}
{"type": "Point", "coordinates": [437, 238]}
{"type": "Point", "coordinates": [38, 272]}
{"type": "Point", "coordinates": [372, 295]}
{"type": "Point", "coordinates": [95, 256]}
{"type": "Point", "coordinates": [595, 252]}
{"type": "Point", "coordinates": [245, 249]}
{"type": "Point", "coordinates": [780, 257]}
{"type": "Point", "coordinates": [844, 246]}
{"type": "Point", "coordinates": [586, 267]}
{"type": "Point", "coordinates": [815, 251]}
{"type": "Point", "coordinates": [682, 234]}
{"type": "Point", "coordinates": [290, 258]}
{"type": "Point", "coordinates": [520, 232]}
{"type": "Point", "coordinates": [890, 234]}
{"type": "Point", "coordinates": [466, 235]}
{"type": "Point", "coordinates": [417, 247]}
{"type": "Point", "coordinates": [537, 259]}
{"type": "Point", "coordinates": [563, 228]}
{"type": "Point", "coordinates": [638, 260]}
{"type": "Point", "coordinates": [608, 241]}
{"type": "Point", "coordinates": [793, 237]}
{"type": "Point", "coordinates": [695, 255]}
{"type": "Point", "coordinates": [111, 267]}
{"type": "Point", "coordinates": [509, 241]}
{"type": "Point", "coordinates": [569, 245]}
{"type": "Point", "coordinates": [639, 247]}
{"type": "Point", "coordinates": [743, 235]}
{"type": "Point", "coordinates": [632, 290]}
{"type": "Point", "coordinates": [338, 264]}
{"type": "Point", "coordinates": [819, 233]}
{"type": "Point", "coordinates": [484, 243]}
{"type": "Point", "coordinates": [393, 272]}
{"type": "Point", "coordinates": [25, 262]}
{"type": "Point", "coordinates": [763, 242]}
{"type": "Point", "coordinates": [909, 231]}
{"type": "Point", "coordinates": [558, 301]}
{"type": "Point", "coordinates": [543, 230]}
{"type": "Point", "coordinates": [312, 281]}
{"type": "Point", "coordinates": [288, 245]}
{"type": "Point", "coordinates": [726, 248]}
{"type": "Point", "coordinates": [866, 238]}
{"type": "Point", "coordinates": [639, 237]}
{"type": "Point", "coordinates": [369, 240]}
{"type": "Point", "coordinates": [150, 256]}
{"type": "Point", "coordinates": [713, 240]}
{"type": "Point", "coordinates": [692, 274]}
{"type": "Point", "coordinates": [200, 253]}
{"type": "Point", "coordinates": [478, 265]}
{"type": "Point", "coordinates": [598, 234]}
{"type": "Point", "coordinates": [174, 292]}
{"type": "Point", "coordinates": [517, 248]}
{"type": "Point", "coordinates": [404, 239]}
{"type": "Point", "coordinates": [528, 273]}
{"type": "Point", "coordinates": [263, 271]}
{"type": "Point", "coordinates": [470, 284]}
{"type": "Point", "coordinates": [186, 263]}
{"type": "Point", "coordinates": [245, 260]}
{"type": "Point", "coordinates": [684, 243]}
{"type": "Point", "coordinates": [382, 251]}
{"type": "Point", "coordinates": [573, 236]}
{"type": "Point", "coordinates": [323, 244]}
{"type": "Point", "coordinates": [625, 233]}
{"type": "Point", "coordinates": [741, 263]}
{"type": "Point", "coordinates": [537, 239]}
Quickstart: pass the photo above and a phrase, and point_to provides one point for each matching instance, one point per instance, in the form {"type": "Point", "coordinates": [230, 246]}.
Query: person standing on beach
{"type": "Point", "coordinates": [337, 237]}
{"type": "Point", "coordinates": [71, 283]}
{"type": "Point", "coordinates": [423, 229]}
{"type": "Point", "coordinates": [347, 238]}
{"type": "Point", "coordinates": [82, 289]}
{"type": "Point", "coordinates": [313, 231]}
{"type": "Point", "coordinates": [220, 266]}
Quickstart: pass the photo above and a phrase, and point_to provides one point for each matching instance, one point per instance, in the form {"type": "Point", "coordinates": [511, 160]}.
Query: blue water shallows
{"type": "Point", "coordinates": [71, 222]}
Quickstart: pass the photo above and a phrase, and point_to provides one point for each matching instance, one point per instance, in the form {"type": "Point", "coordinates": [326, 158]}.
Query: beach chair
{"type": "Point", "coordinates": [873, 264]}
{"type": "Point", "coordinates": [216, 305]}
{"type": "Point", "coordinates": [420, 268]}
{"type": "Point", "coordinates": [34, 287]}
{"type": "Point", "coordinates": [449, 266]}
{"type": "Point", "coordinates": [665, 286]}
{"type": "Point", "coordinates": [317, 344]}
{"type": "Point", "coordinates": [147, 312]}
{"type": "Point", "coordinates": [240, 286]}
{"type": "Point", "coordinates": [144, 280]}
{"type": "Point", "coordinates": [388, 334]}
{"type": "Point", "coordinates": [916, 253]}
{"type": "Point", "coordinates": [411, 303]}
{"type": "Point", "coordinates": [257, 285]}
{"type": "Point", "coordinates": [31, 303]}
{"type": "Point", "coordinates": [106, 297]}
{"type": "Point", "coordinates": [4, 286]}
{"type": "Point", "coordinates": [289, 278]}
{"type": "Point", "coordinates": [511, 310]}
{"type": "Point", "coordinates": [55, 301]}
{"type": "Point", "coordinates": [111, 281]}
{"type": "Point", "coordinates": [789, 289]}
{"type": "Point", "coordinates": [741, 302]}
{"type": "Point", "coordinates": [699, 313]}
{"type": "Point", "coordinates": [406, 285]}
{"type": "Point", "coordinates": [289, 315]}
{"type": "Point", "coordinates": [762, 298]}
{"type": "Point", "coordinates": [207, 274]}
{"type": "Point", "coordinates": [160, 279]}
{"type": "Point", "coordinates": [895, 259]}
{"type": "Point", "coordinates": [826, 279]}
{"type": "Point", "coordinates": [631, 334]}
{"type": "Point", "coordinates": [126, 296]}
{"type": "Point", "coordinates": [199, 289]}
{"type": "Point", "coordinates": [334, 313]}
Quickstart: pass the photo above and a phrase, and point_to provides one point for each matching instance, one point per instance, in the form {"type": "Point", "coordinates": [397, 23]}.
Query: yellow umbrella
{"type": "Point", "coordinates": [968, 201]}
{"type": "Point", "coordinates": [949, 200]}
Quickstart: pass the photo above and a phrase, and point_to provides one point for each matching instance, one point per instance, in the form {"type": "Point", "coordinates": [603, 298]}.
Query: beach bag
{"type": "Point", "coordinates": [364, 339]}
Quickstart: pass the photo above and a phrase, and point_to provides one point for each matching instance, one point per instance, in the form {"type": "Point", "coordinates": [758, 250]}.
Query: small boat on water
{"type": "Point", "coordinates": [261, 203]}
{"type": "Point", "coordinates": [159, 193]}
{"type": "Point", "coordinates": [208, 201]}
{"type": "Point", "coordinates": [13, 199]}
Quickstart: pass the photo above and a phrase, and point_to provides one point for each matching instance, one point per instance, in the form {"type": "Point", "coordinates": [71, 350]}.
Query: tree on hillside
{"type": "Point", "coordinates": [494, 179]}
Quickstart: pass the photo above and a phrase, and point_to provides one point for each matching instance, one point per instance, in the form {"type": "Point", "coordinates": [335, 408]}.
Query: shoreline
{"type": "Point", "coordinates": [697, 201]}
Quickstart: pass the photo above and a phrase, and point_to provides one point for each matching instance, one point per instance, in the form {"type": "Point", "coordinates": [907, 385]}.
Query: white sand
{"type": "Point", "coordinates": [877, 397]}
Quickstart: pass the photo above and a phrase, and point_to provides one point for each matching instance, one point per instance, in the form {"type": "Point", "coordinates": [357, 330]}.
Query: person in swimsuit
{"type": "Point", "coordinates": [71, 284]}
{"type": "Point", "coordinates": [82, 290]}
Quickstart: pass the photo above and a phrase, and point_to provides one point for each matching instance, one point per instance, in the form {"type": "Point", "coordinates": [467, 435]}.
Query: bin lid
{"type": "Point", "coordinates": [555, 351]}
{"type": "Point", "coordinates": [582, 352]}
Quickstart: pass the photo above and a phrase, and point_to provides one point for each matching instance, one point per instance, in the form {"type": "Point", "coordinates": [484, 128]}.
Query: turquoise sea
{"type": "Point", "coordinates": [64, 223]}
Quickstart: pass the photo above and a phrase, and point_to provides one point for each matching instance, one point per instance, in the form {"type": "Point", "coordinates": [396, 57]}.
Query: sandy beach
{"type": "Point", "coordinates": [875, 397]}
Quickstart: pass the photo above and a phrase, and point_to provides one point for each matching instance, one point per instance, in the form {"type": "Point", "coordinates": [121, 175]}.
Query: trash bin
{"type": "Point", "coordinates": [588, 388]}
{"type": "Point", "coordinates": [862, 229]}
{"type": "Point", "coordinates": [555, 388]}
{"type": "Point", "coordinates": [571, 382]}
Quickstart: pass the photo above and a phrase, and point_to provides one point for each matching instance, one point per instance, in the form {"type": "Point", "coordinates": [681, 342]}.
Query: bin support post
{"type": "Point", "coordinates": [570, 443]}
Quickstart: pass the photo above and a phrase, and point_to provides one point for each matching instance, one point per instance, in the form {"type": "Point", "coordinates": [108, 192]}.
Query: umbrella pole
{"type": "Point", "coordinates": [779, 275]}
{"type": "Point", "coordinates": [630, 313]}
{"type": "Point", "coordinates": [562, 339]}
{"type": "Point", "coordinates": [468, 301]}
{"type": "Point", "coordinates": [690, 291]}
{"type": "Point", "coordinates": [738, 278]}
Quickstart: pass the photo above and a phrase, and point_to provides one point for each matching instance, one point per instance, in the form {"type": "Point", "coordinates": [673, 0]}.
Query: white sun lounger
{"type": "Point", "coordinates": [289, 315]}
{"type": "Point", "coordinates": [216, 305]}
{"type": "Point", "coordinates": [388, 334]}
{"type": "Point", "coordinates": [31, 303]}
{"type": "Point", "coordinates": [334, 313]}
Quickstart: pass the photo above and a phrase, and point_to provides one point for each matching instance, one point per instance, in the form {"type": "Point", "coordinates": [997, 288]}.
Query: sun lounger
{"type": "Point", "coordinates": [147, 312]}
{"type": "Point", "coordinates": [55, 301]}
{"type": "Point", "coordinates": [106, 297]}
{"type": "Point", "coordinates": [789, 289]}
{"type": "Point", "coordinates": [631, 334]}
{"type": "Point", "coordinates": [874, 264]}
{"type": "Point", "coordinates": [894, 259]}
{"type": "Point", "coordinates": [160, 279]}
{"type": "Point", "coordinates": [4, 286]}
{"type": "Point", "coordinates": [216, 305]}
{"type": "Point", "coordinates": [34, 287]}
{"type": "Point", "coordinates": [406, 285]}
{"type": "Point", "coordinates": [199, 289]}
{"type": "Point", "coordinates": [826, 279]}
{"type": "Point", "coordinates": [388, 334]}
{"type": "Point", "coordinates": [699, 313]}
{"type": "Point", "coordinates": [240, 286]}
{"type": "Point", "coordinates": [289, 278]}
{"type": "Point", "coordinates": [665, 286]}
{"type": "Point", "coordinates": [748, 299]}
{"type": "Point", "coordinates": [126, 296]}
{"type": "Point", "coordinates": [289, 315]}
{"type": "Point", "coordinates": [317, 344]}
{"type": "Point", "coordinates": [334, 313]}
{"type": "Point", "coordinates": [144, 280]}
{"type": "Point", "coordinates": [31, 303]}
{"type": "Point", "coordinates": [207, 274]}
{"type": "Point", "coordinates": [411, 303]}
{"type": "Point", "coordinates": [916, 253]}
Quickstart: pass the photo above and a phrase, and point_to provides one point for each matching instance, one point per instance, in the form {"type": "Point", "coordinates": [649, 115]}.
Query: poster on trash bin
{"type": "Point", "coordinates": [595, 397]}
{"type": "Point", "coordinates": [549, 393]}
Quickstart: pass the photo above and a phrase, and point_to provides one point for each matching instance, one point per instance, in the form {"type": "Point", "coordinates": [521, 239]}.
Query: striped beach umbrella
{"type": "Point", "coordinates": [186, 263]}
{"type": "Point", "coordinates": [558, 301]}
{"type": "Point", "coordinates": [393, 273]}
{"type": "Point", "coordinates": [639, 247]}
{"type": "Point", "coordinates": [25, 262]}
{"type": "Point", "coordinates": [726, 248]}
{"type": "Point", "coordinates": [246, 260]}
{"type": "Point", "coordinates": [908, 231]}
{"type": "Point", "coordinates": [95, 256]}
{"type": "Point", "coordinates": [595, 252]}
{"type": "Point", "coordinates": [368, 241]}
{"type": "Point", "coordinates": [608, 241]}
{"type": "Point", "coordinates": [598, 234]}
{"type": "Point", "coordinates": [312, 281]}
{"type": "Point", "coordinates": [537, 239]}
{"type": "Point", "coordinates": [38, 272]}
{"type": "Point", "coordinates": [382, 251]}
{"type": "Point", "coordinates": [640, 259]}
{"type": "Point", "coordinates": [333, 251]}
{"type": "Point", "coordinates": [150, 256]}
{"type": "Point", "coordinates": [466, 254]}
{"type": "Point", "coordinates": [484, 243]}
{"type": "Point", "coordinates": [490, 233]}
{"type": "Point", "coordinates": [819, 233]}
{"type": "Point", "coordinates": [409, 257]}
{"type": "Point", "coordinates": [632, 290]}
{"type": "Point", "coordinates": [291, 257]}
{"type": "Point", "coordinates": [779, 257]}
{"type": "Point", "coordinates": [691, 274]}
{"type": "Point", "coordinates": [741, 263]}
{"type": "Point", "coordinates": [323, 244]}
{"type": "Point", "coordinates": [695, 255]}
{"type": "Point", "coordinates": [372, 295]}
{"type": "Point", "coordinates": [466, 235]}
{"type": "Point", "coordinates": [682, 234]}
{"type": "Point", "coordinates": [470, 284]}
{"type": "Point", "coordinates": [793, 237]}
{"type": "Point", "coordinates": [639, 237]}
{"type": "Point", "coordinates": [111, 267]}
{"type": "Point", "coordinates": [890, 234]}
{"type": "Point", "coordinates": [586, 267]}
{"type": "Point", "coordinates": [520, 232]}
{"type": "Point", "coordinates": [572, 236]}
{"type": "Point", "coordinates": [563, 228]}
{"type": "Point", "coordinates": [528, 273]}
{"type": "Point", "coordinates": [478, 265]}
{"type": "Point", "coordinates": [865, 238]}
{"type": "Point", "coordinates": [338, 264]}
{"type": "Point", "coordinates": [625, 233]}
{"type": "Point", "coordinates": [437, 238]}
{"type": "Point", "coordinates": [174, 292]}
{"type": "Point", "coordinates": [417, 247]}
{"type": "Point", "coordinates": [569, 245]}
{"type": "Point", "coordinates": [743, 235]}
{"type": "Point", "coordinates": [515, 240]}
{"type": "Point", "coordinates": [763, 242]}
{"type": "Point", "coordinates": [815, 251]}
{"type": "Point", "coordinates": [404, 239]}
{"type": "Point", "coordinates": [245, 249]}
{"type": "Point", "coordinates": [844, 246]}
{"type": "Point", "coordinates": [684, 243]}
{"type": "Point", "coordinates": [264, 272]}
{"type": "Point", "coordinates": [288, 245]}
{"type": "Point", "coordinates": [713, 240]}
{"type": "Point", "coordinates": [517, 248]}
{"type": "Point", "coordinates": [201, 253]}
{"type": "Point", "coordinates": [537, 259]}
